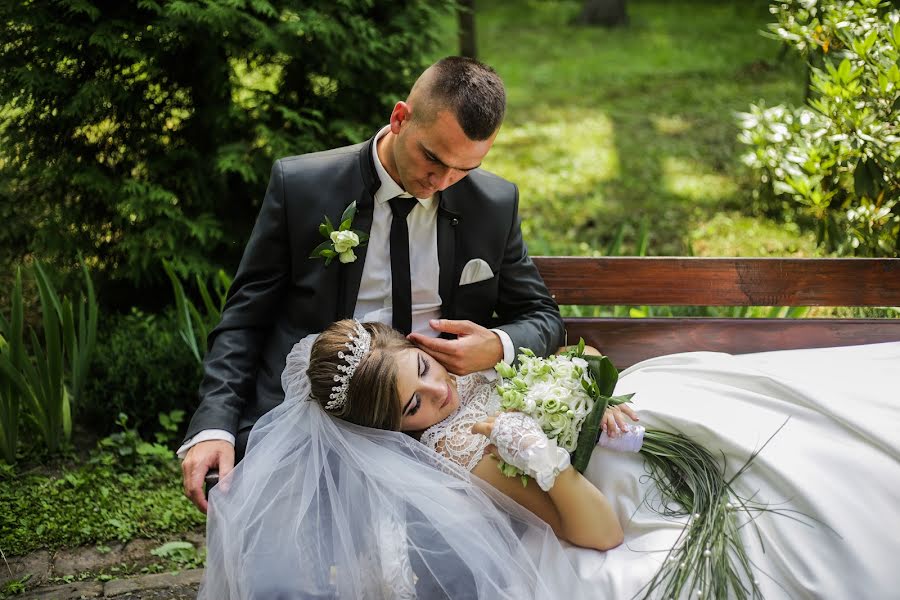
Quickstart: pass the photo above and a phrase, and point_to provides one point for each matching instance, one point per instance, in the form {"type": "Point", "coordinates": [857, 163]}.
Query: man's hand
{"type": "Point", "coordinates": [197, 463]}
{"type": "Point", "coordinates": [474, 349]}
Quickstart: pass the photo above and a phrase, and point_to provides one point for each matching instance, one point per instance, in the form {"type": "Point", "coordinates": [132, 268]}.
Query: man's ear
{"type": "Point", "coordinates": [402, 111]}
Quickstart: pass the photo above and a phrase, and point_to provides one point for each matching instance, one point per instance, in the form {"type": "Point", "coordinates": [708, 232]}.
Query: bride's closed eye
{"type": "Point", "coordinates": [412, 407]}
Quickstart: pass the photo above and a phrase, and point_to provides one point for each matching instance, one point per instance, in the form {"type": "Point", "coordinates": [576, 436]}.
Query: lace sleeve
{"type": "Point", "coordinates": [453, 437]}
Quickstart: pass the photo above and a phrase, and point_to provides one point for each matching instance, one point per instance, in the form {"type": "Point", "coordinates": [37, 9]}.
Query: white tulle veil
{"type": "Point", "coordinates": [321, 508]}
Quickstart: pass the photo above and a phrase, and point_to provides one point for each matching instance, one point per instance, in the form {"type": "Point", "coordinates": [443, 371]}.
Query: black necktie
{"type": "Point", "coordinates": [401, 287]}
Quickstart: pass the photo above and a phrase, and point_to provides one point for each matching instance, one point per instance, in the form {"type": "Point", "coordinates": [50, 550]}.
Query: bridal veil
{"type": "Point", "coordinates": [321, 508]}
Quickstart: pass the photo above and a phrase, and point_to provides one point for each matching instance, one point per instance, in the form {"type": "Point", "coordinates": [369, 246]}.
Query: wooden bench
{"type": "Point", "coordinates": [681, 281]}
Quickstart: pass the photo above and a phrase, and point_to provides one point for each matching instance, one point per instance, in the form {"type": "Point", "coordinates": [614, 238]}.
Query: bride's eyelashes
{"type": "Point", "coordinates": [415, 403]}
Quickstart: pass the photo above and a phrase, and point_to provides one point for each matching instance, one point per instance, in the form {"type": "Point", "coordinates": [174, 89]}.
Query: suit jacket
{"type": "Point", "coordinates": [280, 295]}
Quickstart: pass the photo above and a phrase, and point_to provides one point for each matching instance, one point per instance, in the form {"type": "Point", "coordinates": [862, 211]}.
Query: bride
{"type": "Point", "coordinates": [332, 501]}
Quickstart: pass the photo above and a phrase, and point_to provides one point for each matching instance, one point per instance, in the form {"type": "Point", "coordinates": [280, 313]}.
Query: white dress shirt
{"type": "Point", "coordinates": [374, 302]}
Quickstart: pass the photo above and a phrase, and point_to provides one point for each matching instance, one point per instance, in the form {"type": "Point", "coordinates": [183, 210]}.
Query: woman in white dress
{"type": "Point", "coordinates": [332, 502]}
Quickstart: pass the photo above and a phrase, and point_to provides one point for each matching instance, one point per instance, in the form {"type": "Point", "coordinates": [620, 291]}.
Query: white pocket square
{"type": "Point", "coordinates": [475, 270]}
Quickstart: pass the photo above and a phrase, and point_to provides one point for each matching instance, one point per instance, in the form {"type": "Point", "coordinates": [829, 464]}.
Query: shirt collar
{"type": "Point", "coordinates": [390, 188]}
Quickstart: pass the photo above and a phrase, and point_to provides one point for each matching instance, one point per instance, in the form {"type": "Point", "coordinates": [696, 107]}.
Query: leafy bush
{"type": "Point", "coordinates": [45, 375]}
{"type": "Point", "coordinates": [194, 326]}
{"type": "Point", "coordinates": [141, 129]}
{"type": "Point", "coordinates": [141, 369]}
{"type": "Point", "coordinates": [838, 157]}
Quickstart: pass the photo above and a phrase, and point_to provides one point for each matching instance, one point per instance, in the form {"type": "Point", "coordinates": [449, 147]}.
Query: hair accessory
{"type": "Point", "coordinates": [359, 346]}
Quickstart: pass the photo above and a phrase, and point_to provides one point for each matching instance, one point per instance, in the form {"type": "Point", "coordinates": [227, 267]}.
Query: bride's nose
{"type": "Point", "coordinates": [436, 391]}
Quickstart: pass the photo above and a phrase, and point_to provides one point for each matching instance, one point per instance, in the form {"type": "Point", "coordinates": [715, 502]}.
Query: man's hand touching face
{"type": "Point", "coordinates": [475, 348]}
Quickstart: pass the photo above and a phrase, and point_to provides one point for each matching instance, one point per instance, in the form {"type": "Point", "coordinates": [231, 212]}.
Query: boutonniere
{"type": "Point", "coordinates": [340, 242]}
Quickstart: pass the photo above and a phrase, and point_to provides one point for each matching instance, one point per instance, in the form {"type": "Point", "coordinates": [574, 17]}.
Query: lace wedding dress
{"type": "Point", "coordinates": [453, 437]}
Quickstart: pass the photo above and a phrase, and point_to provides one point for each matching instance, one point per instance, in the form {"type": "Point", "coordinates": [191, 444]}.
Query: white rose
{"type": "Point", "coordinates": [343, 241]}
{"type": "Point", "coordinates": [347, 256]}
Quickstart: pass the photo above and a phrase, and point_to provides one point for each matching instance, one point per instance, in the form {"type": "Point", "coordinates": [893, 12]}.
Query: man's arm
{"type": "Point", "coordinates": [230, 365]}
{"type": "Point", "coordinates": [524, 308]}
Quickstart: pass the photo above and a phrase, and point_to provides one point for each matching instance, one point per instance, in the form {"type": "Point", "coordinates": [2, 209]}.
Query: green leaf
{"type": "Point", "coordinates": [868, 179]}
{"type": "Point", "coordinates": [588, 436]}
{"type": "Point", "coordinates": [348, 215]}
{"type": "Point", "coordinates": [603, 372]}
{"type": "Point", "coordinates": [319, 251]}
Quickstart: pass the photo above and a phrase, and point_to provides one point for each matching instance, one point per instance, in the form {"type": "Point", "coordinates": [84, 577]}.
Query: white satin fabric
{"type": "Point", "coordinates": [837, 459]}
{"type": "Point", "coordinates": [324, 509]}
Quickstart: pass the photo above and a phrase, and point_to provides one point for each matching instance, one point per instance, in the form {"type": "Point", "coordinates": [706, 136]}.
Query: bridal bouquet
{"type": "Point", "coordinates": [567, 395]}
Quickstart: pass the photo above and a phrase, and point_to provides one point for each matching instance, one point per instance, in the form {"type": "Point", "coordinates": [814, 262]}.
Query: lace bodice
{"type": "Point", "coordinates": [453, 436]}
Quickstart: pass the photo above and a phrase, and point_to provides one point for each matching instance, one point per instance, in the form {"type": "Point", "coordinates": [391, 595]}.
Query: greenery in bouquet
{"type": "Point", "coordinates": [567, 395]}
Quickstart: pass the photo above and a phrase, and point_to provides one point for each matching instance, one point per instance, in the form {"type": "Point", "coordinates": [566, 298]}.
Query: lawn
{"type": "Point", "coordinates": [612, 128]}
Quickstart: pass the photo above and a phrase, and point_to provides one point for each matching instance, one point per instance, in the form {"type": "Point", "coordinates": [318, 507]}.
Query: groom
{"type": "Point", "coordinates": [445, 257]}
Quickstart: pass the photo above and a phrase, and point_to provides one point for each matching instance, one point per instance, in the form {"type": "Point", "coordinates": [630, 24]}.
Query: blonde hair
{"type": "Point", "coordinates": [372, 395]}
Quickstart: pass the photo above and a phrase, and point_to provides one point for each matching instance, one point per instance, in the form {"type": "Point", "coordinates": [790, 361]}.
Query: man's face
{"type": "Point", "coordinates": [430, 157]}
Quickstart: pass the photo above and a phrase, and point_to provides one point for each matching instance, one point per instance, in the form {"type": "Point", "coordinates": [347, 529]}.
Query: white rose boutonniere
{"type": "Point", "coordinates": [340, 242]}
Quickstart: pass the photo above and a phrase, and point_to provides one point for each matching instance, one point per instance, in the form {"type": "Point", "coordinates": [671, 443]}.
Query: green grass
{"type": "Point", "coordinates": [606, 127]}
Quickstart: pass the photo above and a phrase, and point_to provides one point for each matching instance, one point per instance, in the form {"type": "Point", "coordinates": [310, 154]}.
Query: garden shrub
{"type": "Point", "coordinates": [137, 130]}
{"type": "Point", "coordinates": [838, 157]}
{"type": "Point", "coordinates": [141, 368]}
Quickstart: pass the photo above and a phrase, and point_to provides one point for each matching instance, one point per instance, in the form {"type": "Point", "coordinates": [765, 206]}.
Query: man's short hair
{"type": "Point", "coordinates": [472, 91]}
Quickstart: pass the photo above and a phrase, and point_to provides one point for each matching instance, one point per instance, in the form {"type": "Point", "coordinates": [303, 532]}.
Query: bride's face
{"type": "Point", "coordinates": [427, 392]}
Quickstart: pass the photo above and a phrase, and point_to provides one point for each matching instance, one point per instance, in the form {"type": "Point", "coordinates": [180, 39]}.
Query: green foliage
{"type": "Point", "coordinates": [126, 449]}
{"type": "Point", "coordinates": [837, 157]}
{"type": "Point", "coordinates": [141, 369]}
{"type": "Point", "coordinates": [183, 554]}
{"type": "Point", "coordinates": [194, 326]}
{"type": "Point", "coordinates": [609, 127]}
{"type": "Point", "coordinates": [48, 374]}
{"type": "Point", "coordinates": [12, 356]}
{"type": "Point", "coordinates": [98, 501]}
{"type": "Point", "coordinates": [144, 129]}
{"type": "Point", "coordinates": [15, 587]}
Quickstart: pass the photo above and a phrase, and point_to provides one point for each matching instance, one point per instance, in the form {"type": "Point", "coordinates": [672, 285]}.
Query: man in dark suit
{"type": "Point", "coordinates": [445, 257]}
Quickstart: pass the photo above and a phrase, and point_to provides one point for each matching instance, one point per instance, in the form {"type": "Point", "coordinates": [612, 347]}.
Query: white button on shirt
{"type": "Point", "coordinates": [374, 302]}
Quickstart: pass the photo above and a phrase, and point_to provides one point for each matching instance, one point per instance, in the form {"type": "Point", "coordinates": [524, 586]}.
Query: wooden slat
{"type": "Point", "coordinates": [627, 341]}
{"type": "Point", "coordinates": [682, 281]}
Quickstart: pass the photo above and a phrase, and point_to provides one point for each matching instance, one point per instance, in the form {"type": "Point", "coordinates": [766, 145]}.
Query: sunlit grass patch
{"type": "Point", "coordinates": [733, 234]}
{"type": "Point", "coordinates": [570, 155]}
{"type": "Point", "coordinates": [692, 181]}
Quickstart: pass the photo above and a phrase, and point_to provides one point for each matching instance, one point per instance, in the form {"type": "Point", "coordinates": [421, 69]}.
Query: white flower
{"type": "Point", "coordinates": [343, 241]}
{"type": "Point", "coordinates": [347, 256]}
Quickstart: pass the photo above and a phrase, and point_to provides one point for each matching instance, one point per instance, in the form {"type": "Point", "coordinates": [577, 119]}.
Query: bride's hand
{"type": "Point", "coordinates": [613, 421]}
{"type": "Point", "coordinates": [519, 440]}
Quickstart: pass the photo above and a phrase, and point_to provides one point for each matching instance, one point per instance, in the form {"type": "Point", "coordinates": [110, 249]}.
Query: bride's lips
{"type": "Point", "coordinates": [447, 397]}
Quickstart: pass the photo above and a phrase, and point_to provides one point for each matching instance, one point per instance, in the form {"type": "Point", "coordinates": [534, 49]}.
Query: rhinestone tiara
{"type": "Point", "coordinates": [359, 346]}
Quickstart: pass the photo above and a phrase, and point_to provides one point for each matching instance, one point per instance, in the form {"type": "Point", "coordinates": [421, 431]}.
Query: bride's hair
{"type": "Point", "coordinates": [372, 392]}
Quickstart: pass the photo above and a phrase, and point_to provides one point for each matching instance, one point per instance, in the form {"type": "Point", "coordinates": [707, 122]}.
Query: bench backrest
{"type": "Point", "coordinates": [681, 281]}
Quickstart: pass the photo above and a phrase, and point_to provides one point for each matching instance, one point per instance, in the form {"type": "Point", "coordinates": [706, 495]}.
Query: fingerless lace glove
{"type": "Point", "coordinates": [522, 443]}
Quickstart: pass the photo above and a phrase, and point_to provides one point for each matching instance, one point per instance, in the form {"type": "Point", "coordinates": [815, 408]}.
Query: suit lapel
{"type": "Point", "coordinates": [448, 230]}
{"type": "Point", "coordinates": [351, 273]}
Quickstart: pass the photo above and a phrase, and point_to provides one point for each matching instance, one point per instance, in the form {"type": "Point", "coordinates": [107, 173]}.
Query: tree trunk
{"type": "Point", "coordinates": [606, 13]}
{"type": "Point", "coordinates": [467, 43]}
